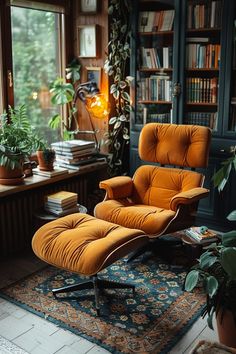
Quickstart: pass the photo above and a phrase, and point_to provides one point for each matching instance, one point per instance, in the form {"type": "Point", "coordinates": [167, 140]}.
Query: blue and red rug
{"type": "Point", "coordinates": [151, 321]}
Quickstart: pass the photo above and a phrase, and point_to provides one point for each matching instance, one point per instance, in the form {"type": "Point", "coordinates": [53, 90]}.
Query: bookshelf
{"type": "Point", "coordinates": [202, 62]}
{"type": "Point", "coordinates": [194, 84]}
{"type": "Point", "coordinates": [154, 65]}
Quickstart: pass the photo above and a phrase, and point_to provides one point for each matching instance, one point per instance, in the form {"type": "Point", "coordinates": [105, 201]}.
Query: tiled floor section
{"type": "Point", "coordinates": [36, 335]}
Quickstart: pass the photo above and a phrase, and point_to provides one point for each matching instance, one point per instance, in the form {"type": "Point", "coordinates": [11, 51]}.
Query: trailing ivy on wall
{"type": "Point", "coordinates": [115, 66]}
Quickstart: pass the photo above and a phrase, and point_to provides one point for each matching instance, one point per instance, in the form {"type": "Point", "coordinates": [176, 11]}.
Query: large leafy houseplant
{"type": "Point", "coordinates": [215, 273]}
{"type": "Point", "coordinates": [18, 139]}
{"type": "Point", "coordinates": [63, 94]}
{"type": "Point", "coordinates": [117, 138]}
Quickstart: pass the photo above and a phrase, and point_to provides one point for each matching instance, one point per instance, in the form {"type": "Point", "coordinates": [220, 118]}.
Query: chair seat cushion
{"type": "Point", "coordinates": [151, 219]}
{"type": "Point", "coordinates": [83, 244]}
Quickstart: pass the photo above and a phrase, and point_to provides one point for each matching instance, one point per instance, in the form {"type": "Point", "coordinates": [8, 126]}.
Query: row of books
{"type": "Point", "coordinates": [153, 21]}
{"type": "Point", "coordinates": [206, 15]}
{"type": "Point", "coordinates": [203, 56]}
{"type": "Point", "coordinates": [155, 88]}
{"type": "Point", "coordinates": [208, 119]}
{"type": "Point", "coordinates": [153, 58]}
{"type": "Point", "coordinates": [61, 203]}
{"type": "Point", "coordinates": [202, 90]}
{"type": "Point", "coordinates": [150, 117]}
{"type": "Point", "coordinates": [201, 234]}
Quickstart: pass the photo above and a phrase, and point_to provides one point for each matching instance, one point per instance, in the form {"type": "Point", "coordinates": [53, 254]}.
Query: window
{"type": "Point", "coordinates": [37, 58]}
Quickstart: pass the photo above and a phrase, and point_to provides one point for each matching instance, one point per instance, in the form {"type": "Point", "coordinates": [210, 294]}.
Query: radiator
{"type": "Point", "coordinates": [17, 221]}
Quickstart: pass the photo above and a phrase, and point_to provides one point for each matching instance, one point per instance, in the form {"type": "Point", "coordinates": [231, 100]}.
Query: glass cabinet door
{"type": "Point", "coordinates": [232, 99]}
{"type": "Point", "coordinates": [154, 50]}
{"type": "Point", "coordinates": [202, 62]}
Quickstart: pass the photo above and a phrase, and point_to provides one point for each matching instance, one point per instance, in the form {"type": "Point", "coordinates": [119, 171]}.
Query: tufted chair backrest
{"type": "Point", "coordinates": [172, 144]}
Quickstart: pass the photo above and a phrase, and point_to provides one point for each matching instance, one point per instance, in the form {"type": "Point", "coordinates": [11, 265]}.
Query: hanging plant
{"type": "Point", "coordinates": [117, 138]}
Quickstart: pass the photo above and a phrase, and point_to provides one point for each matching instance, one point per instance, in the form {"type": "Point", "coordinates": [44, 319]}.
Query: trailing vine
{"type": "Point", "coordinates": [117, 138]}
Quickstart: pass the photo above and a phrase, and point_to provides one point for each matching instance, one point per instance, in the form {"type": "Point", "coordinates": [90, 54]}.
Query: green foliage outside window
{"type": "Point", "coordinates": [35, 64]}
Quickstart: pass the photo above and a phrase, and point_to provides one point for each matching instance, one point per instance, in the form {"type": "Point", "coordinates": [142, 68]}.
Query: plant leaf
{"type": "Point", "coordinates": [211, 285]}
{"type": "Point", "coordinates": [229, 239]}
{"type": "Point", "coordinates": [232, 216]}
{"type": "Point", "coordinates": [125, 96]}
{"type": "Point", "coordinates": [191, 280]}
{"type": "Point", "coordinates": [228, 257]}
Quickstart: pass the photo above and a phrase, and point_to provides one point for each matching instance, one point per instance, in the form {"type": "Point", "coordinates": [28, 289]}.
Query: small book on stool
{"type": "Point", "coordinates": [61, 203]}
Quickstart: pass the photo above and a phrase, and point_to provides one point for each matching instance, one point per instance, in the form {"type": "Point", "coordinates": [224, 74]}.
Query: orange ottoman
{"type": "Point", "coordinates": [83, 244]}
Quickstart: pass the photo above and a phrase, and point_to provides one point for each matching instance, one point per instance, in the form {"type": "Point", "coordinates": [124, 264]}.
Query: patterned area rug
{"type": "Point", "coordinates": [151, 321]}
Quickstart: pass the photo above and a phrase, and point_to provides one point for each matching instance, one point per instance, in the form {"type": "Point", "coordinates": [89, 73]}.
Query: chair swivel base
{"type": "Point", "coordinates": [93, 283]}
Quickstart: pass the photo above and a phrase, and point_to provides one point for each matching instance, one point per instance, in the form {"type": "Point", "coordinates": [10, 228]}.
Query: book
{"type": "Point", "coordinates": [75, 154]}
{"type": "Point", "coordinates": [73, 145]}
{"type": "Point", "coordinates": [201, 234]}
{"type": "Point", "coordinates": [80, 167]}
{"type": "Point", "coordinates": [64, 212]}
{"type": "Point", "coordinates": [56, 172]}
{"type": "Point", "coordinates": [63, 206]}
{"type": "Point", "coordinates": [61, 197]}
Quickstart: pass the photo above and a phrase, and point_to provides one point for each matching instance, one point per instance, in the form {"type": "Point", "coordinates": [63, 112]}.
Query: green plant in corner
{"type": "Point", "coordinates": [18, 139]}
{"type": "Point", "coordinates": [215, 273]}
{"type": "Point", "coordinates": [117, 138]}
{"type": "Point", "coordinates": [63, 95]}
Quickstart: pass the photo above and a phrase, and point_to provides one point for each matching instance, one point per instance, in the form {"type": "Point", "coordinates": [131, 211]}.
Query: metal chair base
{"type": "Point", "coordinates": [93, 283]}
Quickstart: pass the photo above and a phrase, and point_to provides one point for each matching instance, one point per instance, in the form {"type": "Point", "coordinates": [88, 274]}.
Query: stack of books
{"type": "Point", "coordinates": [57, 171]}
{"type": "Point", "coordinates": [61, 203]}
{"type": "Point", "coordinates": [74, 154]}
{"type": "Point", "coordinates": [201, 234]}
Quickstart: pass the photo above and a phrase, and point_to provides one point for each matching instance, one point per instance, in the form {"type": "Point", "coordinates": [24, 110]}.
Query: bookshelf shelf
{"type": "Point", "coordinates": [158, 33]}
{"type": "Point", "coordinates": [154, 102]}
{"type": "Point", "coordinates": [202, 104]}
{"type": "Point", "coordinates": [199, 70]}
{"type": "Point", "coordinates": [153, 70]}
{"type": "Point", "coordinates": [203, 31]}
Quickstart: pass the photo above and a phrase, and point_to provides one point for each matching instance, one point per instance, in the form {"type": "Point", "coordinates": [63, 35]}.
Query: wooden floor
{"type": "Point", "coordinates": [38, 336]}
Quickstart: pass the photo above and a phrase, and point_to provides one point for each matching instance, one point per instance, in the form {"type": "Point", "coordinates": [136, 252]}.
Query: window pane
{"type": "Point", "coordinates": [36, 63]}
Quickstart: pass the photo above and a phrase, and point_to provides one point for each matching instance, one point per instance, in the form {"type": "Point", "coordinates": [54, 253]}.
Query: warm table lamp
{"type": "Point", "coordinates": [95, 103]}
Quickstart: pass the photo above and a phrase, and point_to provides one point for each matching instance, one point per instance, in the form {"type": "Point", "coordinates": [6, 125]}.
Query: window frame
{"type": "Point", "coordinates": [65, 45]}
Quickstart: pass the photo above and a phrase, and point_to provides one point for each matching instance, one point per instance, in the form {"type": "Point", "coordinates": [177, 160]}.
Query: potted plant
{"type": "Point", "coordinates": [17, 141]}
{"type": "Point", "coordinates": [215, 273]}
{"type": "Point", "coordinates": [46, 157]}
{"type": "Point", "coordinates": [63, 95]}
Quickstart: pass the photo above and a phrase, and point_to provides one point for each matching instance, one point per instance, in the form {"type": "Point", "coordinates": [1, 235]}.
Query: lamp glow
{"type": "Point", "coordinates": [95, 102]}
{"type": "Point", "coordinates": [97, 106]}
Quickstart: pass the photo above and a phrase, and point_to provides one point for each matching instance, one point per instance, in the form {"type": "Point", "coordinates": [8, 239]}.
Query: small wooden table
{"type": "Point", "coordinates": [193, 249]}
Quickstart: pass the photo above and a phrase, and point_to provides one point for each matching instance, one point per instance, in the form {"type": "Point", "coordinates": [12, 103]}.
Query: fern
{"type": "Point", "coordinates": [17, 139]}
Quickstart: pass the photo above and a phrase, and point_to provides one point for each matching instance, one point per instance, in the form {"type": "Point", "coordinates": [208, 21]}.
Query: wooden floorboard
{"type": "Point", "coordinates": [35, 335]}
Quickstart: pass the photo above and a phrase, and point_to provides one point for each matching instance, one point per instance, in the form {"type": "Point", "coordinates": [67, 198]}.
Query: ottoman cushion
{"type": "Point", "coordinates": [83, 244]}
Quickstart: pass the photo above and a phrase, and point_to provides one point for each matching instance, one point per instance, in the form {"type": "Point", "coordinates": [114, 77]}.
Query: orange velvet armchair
{"type": "Point", "coordinates": [162, 197]}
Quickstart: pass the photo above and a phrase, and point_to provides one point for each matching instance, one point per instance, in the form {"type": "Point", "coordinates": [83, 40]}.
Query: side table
{"type": "Point", "coordinates": [42, 216]}
{"type": "Point", "coordinates": [193, 249]}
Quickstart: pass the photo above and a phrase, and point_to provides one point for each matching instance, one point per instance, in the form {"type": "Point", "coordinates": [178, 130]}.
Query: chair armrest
{"type": "Point", "coordinates": [117, 187]}
{"type": "Point", "coordinates": [188, 197]}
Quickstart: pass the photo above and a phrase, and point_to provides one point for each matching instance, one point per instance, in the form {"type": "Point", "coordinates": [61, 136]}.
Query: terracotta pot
{"type": "Point", "coordinates": [44, 165]}
{"type": "Point", "coordinates": [11, 177]}
{"type": "Point", "coordinates": [226, 328]}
